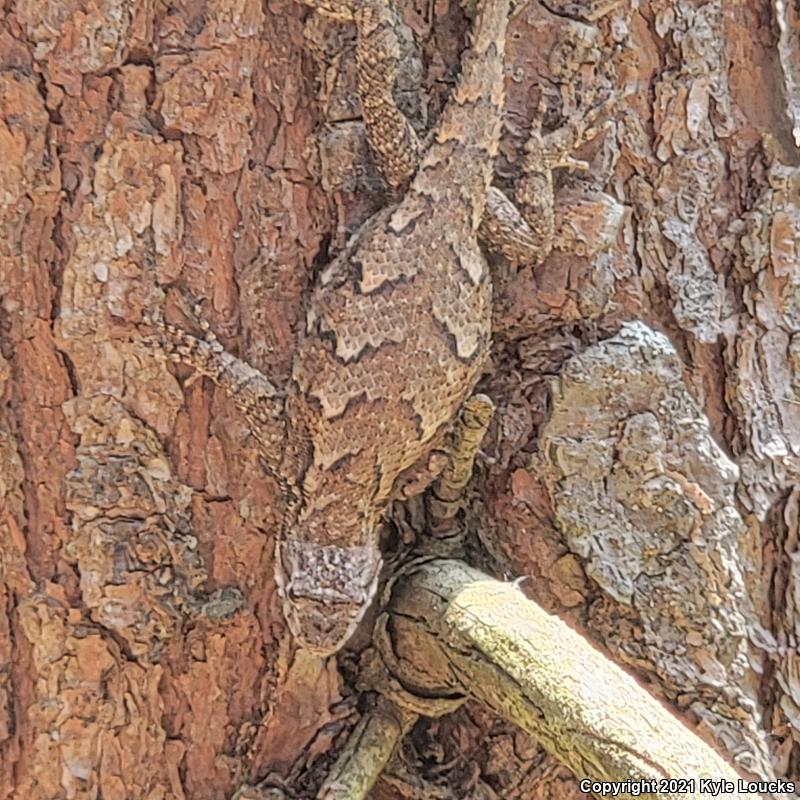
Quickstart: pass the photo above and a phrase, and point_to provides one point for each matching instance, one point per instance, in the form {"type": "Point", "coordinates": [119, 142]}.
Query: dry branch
{"type": "Point", "coordinates": [451, 628]}
{"type": "Point", "coordinates": [367, 750]}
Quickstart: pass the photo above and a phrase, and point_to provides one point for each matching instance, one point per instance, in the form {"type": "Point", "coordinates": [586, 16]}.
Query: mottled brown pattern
{"type": "Point", "coordinates": [397, 332]}
{"type": "Point", "coordinates": [398, 327]}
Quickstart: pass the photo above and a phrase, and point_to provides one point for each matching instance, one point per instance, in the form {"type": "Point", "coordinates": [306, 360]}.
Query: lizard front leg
{"type": "Point", "coordinates": [252, 393]}
{"type": "Point", "coordinates": [445, 495]}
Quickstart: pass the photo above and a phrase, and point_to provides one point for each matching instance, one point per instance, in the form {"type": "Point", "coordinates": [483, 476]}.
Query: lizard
{"type": "Point", "coordinates": [398, 325]}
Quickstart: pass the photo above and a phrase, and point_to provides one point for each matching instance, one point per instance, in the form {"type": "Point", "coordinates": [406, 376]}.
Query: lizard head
{"type": "Point", "coordinates": [325, 590]}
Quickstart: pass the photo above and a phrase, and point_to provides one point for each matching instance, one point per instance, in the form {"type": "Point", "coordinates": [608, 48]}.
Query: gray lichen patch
{"type": "Point", "coordinates": [645, 497]}
{"type": "Point", "coordinates": [762, 369]}
{"type": "Point", "coordinates": [681, 173]}
{"type": "Point", "coordinates": [140, 569]}
{"type": "Point", "coordinates": [763, 375]}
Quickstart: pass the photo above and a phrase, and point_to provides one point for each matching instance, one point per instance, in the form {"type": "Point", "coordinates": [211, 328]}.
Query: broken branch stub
{"type": "Point", "coordinates": [366, 752]}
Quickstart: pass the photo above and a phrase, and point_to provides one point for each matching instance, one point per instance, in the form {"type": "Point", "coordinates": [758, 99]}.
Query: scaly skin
{"type": "Point", "coordinates": [398, 326]}
{"type": "Point", "coordinates": [398, 330]}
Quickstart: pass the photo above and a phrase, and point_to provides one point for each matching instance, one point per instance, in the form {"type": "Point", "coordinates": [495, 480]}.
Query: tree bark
{"type": "Point", "coordinates": [644, 478]}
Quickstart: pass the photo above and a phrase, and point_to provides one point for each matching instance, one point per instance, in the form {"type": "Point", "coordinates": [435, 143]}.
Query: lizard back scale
{"type": "Point", "coordinates": [397, 333]}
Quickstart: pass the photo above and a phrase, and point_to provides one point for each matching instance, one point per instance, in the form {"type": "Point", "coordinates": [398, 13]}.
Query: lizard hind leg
{"type": "Point", "coordinates": [523, 230]}
{"type": "Point", "coordinates": [555, 149]}
{"type": "Point", "coordinates": [336, 9]}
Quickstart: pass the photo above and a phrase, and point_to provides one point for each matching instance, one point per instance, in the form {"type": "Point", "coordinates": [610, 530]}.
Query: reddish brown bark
{"type": "Point", "coordinates": [154, 148]}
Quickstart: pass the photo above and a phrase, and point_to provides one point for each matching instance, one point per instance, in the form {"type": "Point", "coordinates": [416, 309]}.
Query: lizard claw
{"type": "Point", "coordinates": [208, 335]}
{"type": "Point", "coordinates": [581, 126]}
{"type": "Point", "coordinates": [568, 162]}
{"type": "Point", "coordinates": [336, 9]}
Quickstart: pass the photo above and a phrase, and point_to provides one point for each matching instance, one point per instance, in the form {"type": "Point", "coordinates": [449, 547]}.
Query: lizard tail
{"type": "Point", "coordinates": [466, 137]}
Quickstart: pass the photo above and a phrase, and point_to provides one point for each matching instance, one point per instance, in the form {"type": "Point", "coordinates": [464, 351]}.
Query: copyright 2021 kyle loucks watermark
{"type": "Point", "coordinates": [713, 787]}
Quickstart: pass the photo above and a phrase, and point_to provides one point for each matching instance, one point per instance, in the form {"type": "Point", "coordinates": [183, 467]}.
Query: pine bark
{"type": "Point", "coordinates": [643, 478]}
